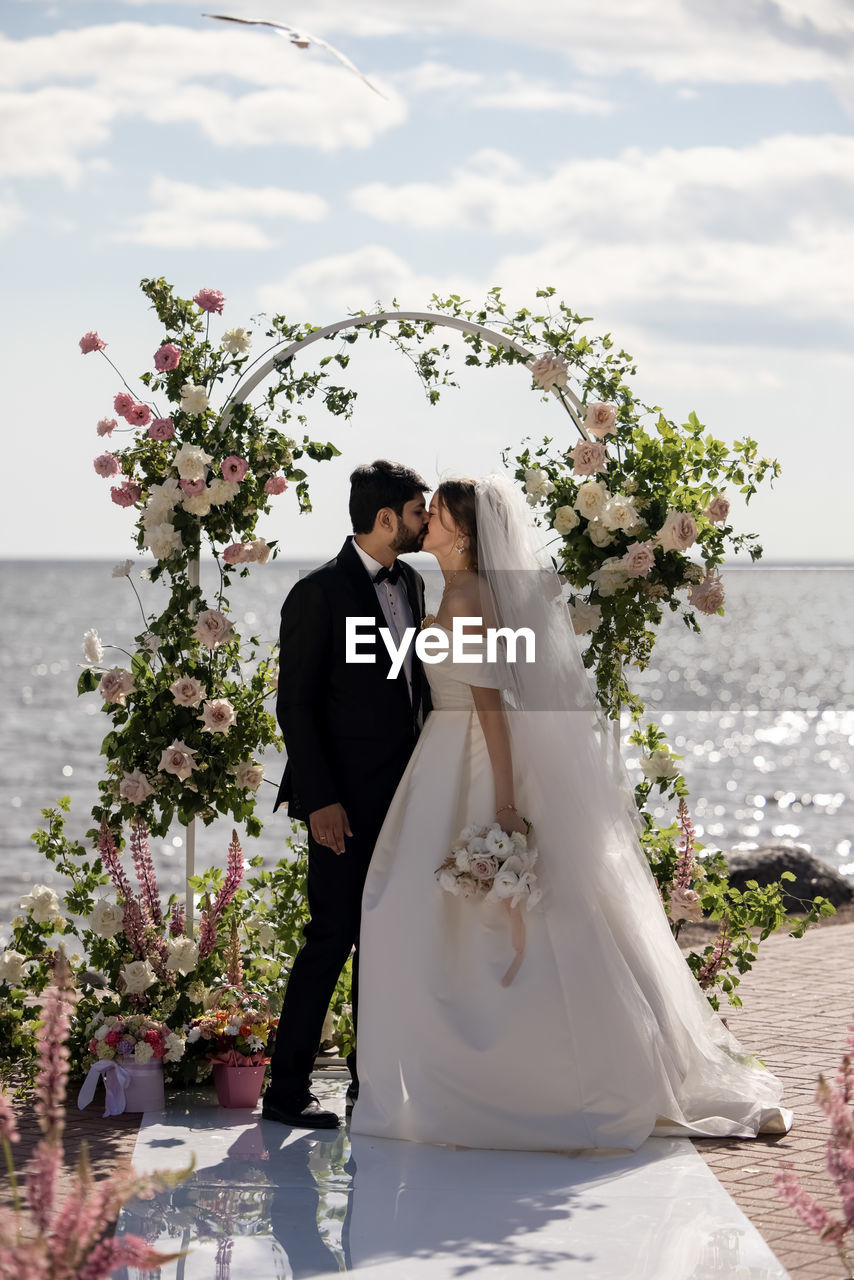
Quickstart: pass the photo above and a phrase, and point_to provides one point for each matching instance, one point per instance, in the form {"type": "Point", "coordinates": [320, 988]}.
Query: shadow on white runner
{"type": "Point", "coordinates": [267, 1202]}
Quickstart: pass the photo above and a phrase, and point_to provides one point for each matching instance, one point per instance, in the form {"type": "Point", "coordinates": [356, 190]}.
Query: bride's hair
{"type": "Point", "coordinates": [457, 497]}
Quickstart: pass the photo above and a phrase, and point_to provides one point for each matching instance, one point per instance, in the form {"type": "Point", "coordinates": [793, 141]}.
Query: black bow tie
{"type": "Point", "coordinates": [392, 574]}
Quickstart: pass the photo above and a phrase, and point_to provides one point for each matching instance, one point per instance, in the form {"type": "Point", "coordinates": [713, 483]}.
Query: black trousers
{"type": "Point", "coordinates": [335, 883]}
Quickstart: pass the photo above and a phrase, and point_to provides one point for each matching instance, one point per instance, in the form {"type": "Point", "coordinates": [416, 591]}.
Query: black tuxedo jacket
{"type": "Point", "coordinates": [348, 729]}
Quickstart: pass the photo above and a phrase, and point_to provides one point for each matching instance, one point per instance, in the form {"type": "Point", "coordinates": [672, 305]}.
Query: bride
{"type": "Point", "coordinates": [602, 1036]}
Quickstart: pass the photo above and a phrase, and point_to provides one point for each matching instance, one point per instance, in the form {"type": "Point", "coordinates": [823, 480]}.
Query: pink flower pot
{"type": "Point", "coordinates": [238, 1086]}
{"type": "Point", "coordinates": [145, 1090]}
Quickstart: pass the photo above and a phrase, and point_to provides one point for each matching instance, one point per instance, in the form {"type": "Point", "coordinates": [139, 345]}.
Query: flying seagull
{"type": "Point", "coordinates": [301, 39]}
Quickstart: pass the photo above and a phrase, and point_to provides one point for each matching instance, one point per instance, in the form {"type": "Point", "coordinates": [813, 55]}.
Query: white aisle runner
{"type": "Point", "coordinates": [266, 1202]}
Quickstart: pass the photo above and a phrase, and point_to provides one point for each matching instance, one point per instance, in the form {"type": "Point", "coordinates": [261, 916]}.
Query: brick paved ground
{"type": "Point", "coordinates": [798, 1001]}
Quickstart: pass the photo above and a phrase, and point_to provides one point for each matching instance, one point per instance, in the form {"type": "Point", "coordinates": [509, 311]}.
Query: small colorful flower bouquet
{"type": "Point", "coordinates": [235, 1036]}
{"type": "Point", "coordinates": [136, 1039]}
{"type": "Point", "coordinates": [487, 863]}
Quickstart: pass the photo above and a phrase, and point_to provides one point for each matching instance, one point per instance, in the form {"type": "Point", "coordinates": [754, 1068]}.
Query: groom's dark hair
{"type": "Point", "coordinates": [381, 484]}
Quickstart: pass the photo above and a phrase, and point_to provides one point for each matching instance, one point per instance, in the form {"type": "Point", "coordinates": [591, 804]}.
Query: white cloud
{"type": "Point", "coordinates": [186, 216]}
{"type": "Point", "coordinates": [45, 132]}
{"type": "Point", "coordinates": [518, 93]}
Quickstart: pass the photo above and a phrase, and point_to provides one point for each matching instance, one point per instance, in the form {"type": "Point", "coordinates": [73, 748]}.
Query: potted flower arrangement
{"type": "Point", "coordinates": [235, 1041]}
{"type": "Point", "coordinates": [129, 1052]}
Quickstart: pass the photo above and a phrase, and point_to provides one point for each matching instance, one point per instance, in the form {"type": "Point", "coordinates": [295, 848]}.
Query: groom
{"type": "Point", "coordinates": [349, 732]}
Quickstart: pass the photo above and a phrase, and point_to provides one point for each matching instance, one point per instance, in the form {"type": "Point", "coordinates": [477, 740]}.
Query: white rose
{"type": "Point", "coordinates": [178, 759]}
{"type": "Point", "coordinates": [610, 576]}
{"type": "Point", "coordinates": [503, 886]}
{"type": "Point", "coordinates": [106, 919]}
{"type": "Point", "coordinates": [221, 491]}
{"type": "Point", "coordinates": [142, 1052]}
{"type": "Point", "coordinates": [93, 649]}
{"type": "Point", "coordinates": [42, 904]}
{"type": "Point", "coordinates": [685, 904]}
{"type": "Point", "coordinates": [12, 967]}
{"type": "Point", "coordinates": [660, 764]}
{"type": "Point", "coordinates": [163, 540]}
{"type": "Point", "coordinates": [585, 617]}
{"type": "Point", "coordinates": [620, 512]}
{"type": "Point", "coordinates": [174, 1046]}
{"type": "Point", "coordinates": [565, 520]}
{"type": "Point", "coordinates": [194, 399]}
{"type": "Point", "coordinates": [537, 484]}
{"type": "Point", "coordinates": [248, 775]}
{"type": "Point", "coordinates": [163, 497]}
{"type": "Point", "coordinates": [549, 371]}
{"type": "Point", "coordinates": [115, 685]}
{"type": "Point", "coordinates": [212, 628]}
{"type": "Point", "coordinates": [449, 882]}
{"type": "Point", "coordinates": [135, 787]}
{"type": "Point", "coordinates": [591, 498]}
{"type": "Point", "coordinates": [191, 462]}
{"type": "Point", "coordinates": [182, 956]}
{"type": "Point", "coordinates": [122, 569]}
{"type": "Point", "coordinates": [598, 534]}
{"type": "Point", "coordinates": [679, 531]}
{"type": "Point", "coordinates": [198, 504]}
{"type": "Point", "coordinates": [236, 342]}
{"type": "Point", "coordinates": [138, 976]}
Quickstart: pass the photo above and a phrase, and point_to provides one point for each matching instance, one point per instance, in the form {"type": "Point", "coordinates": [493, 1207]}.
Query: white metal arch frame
{"type": "Point", "coordinates": [565, 395]}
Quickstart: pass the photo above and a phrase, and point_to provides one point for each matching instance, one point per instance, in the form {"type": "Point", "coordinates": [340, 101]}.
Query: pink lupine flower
{"type": "Point", "coordinates": [123, 1251]}
{"type": "Point", "coordinates": [144, 868]}
{"type": "Point", "coordinates": [167, 357]}
{"type": "Point", "coordinates": [176, 920]}
{"type": "Point", "coordinates": [275, 485]}
{"type": "Point", "coordinates": [106, 426]}
{"type": "Point", "coordinates": [106, 465]}
{"type": "Point", "coordinates": [126, 494]}
{"type": "Point", "coordinates": [161, 429]}
{"type": "Point", "coordinates": [717, 957]}
{"type": "Point", "coordinates": [138, 415]}
{"type": "Point", "coordinates": [210, 300]}
{"type": "Point", "coordinates": [122, 403]}
{"type": "Point", "coordinates": [91, 342]}
{"type": "Point", "coordinates": [134, 928]}
{"type": "Point", "coordinates": [211, 917]}
{"type": "Point", "coordinates": [234, 469]}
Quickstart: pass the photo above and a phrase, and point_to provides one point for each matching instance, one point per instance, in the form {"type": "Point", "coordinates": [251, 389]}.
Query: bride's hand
{"type": "Point", "coordinates": [510, 821]}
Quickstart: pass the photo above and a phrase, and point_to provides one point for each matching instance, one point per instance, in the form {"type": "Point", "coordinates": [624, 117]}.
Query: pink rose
{"type": "Point", "coordinates": [549, 371]}
{"type": "Point", "coordinates": [210, 300]}
{"type": "Point", "coordinates": [135, 787]}
{"type": "Point", "coordinates": [217, 716]}
{"type": "Point", "coordinates": [212, 628]}
{"type": "Point", "coordinates": [138, 415]}
{"type": "Point", "coordinates": [679, 531]}
{"type": "Point", "coordinates": [718, 509]}
{"type": "Point", "coordinates": [193, 487]}
{"type": "Point", "coordinates": [588, 458]}
{"type": "Point", "coordinates": [234, 469]}
{"type": "Point", "coordinates": [122, 403]}
{"type": "Point", "coordinates": [187, 691]}
{"type": "Point", "coordinates": [483, 867]}
{"type": "Point", "coordinates": [107, 465]}
{"type": "Point", "coordinates": [106, 426]}
{"type": "Point", "coordinates": [91, 342]}
{"type": "Point", "coordinates": [167, 357]}
{"type": "Point", "coordinates": [601, 419]}
{"type": "Point", "coordinates": [177, 759]}
{"type": "Point", "coordinates": [238, 553]}
{"type": "Point", "coordinates": [115, 685]}
{"type": "Point", "coordinates": [276, 484]}
{"type": "Point", "coordinates": [685, 904]}
{"type": "Point", "coordinates": [161, 429]}
{"type": "Point", "coordinates": [126, 495]}
{"type": "Point", "coordinates": [708, 595]}
{"type": "Point", "coordinates": [639, 559]}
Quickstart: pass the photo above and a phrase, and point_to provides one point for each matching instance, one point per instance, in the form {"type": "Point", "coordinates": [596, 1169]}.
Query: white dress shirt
{"type": "Point", "coordinates": [394, 603]}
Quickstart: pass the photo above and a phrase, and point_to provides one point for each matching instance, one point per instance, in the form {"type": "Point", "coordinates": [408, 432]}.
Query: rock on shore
{"type": "Point", "coordinates": [812, 876]}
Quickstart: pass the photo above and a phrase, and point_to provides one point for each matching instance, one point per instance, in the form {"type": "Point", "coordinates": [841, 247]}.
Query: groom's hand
{"type": "Point", "coordinates": [329, 826]}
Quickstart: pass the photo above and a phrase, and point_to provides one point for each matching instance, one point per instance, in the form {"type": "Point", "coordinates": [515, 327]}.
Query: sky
{"type": "Point", "coordinates": [682, 172]}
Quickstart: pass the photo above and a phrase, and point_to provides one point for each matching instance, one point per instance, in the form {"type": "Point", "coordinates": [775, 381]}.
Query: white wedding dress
{"type": "Point", "coordinates": [603, 1037]}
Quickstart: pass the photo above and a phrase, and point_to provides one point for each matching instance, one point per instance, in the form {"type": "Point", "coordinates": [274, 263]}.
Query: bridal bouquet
{"type": "Point", "coordinates": [137, 1039]}
{"type": "Point", "coordinates": [487, 863]}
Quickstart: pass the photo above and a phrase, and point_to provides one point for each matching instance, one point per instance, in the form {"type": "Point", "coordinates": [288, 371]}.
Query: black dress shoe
{"type": "Point", "coordinates": [350, 1098]}
{"type": "Point", "coordinates": [307, 1114]}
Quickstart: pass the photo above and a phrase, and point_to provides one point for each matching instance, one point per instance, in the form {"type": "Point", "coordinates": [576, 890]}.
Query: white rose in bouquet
{"type": "Point", "coordinates": [610, 576]}
{"type": "Point", "coordinates": [537, 485]}
{"type": "Point", "coordinates": [221, 491]}
{"type": "Point", "coordinates": [249, 775]}
{"type": "Point", "coordinates": [106, 918]}
{"type": "Point", "coordinates": [194, 399]}
{"type": "Point", "coordinates": [620, 512]}
{"type": "Point", "coordinates": [163, 540]}
{"type": "Point", "coordinates": [236, 342]}
{"type": "Point", "coordinates": [182, 956]}
{"type": "Point", "coordinates": [12, 967]}
{"type": "Point", "coordinates": [138, 976]}
{"type": "Point", "coordinates": [598, 534]}
{"type": "Point", "coordinates": [659, 765]}
{"type": "Point", "coordinates": [565, 521]}
{"type": "Point", "coordinates": [591, 498]}
{"type": "Point", "coordinates": [42, 904]}
{"type": "Point", "coordinates": [585, 617]}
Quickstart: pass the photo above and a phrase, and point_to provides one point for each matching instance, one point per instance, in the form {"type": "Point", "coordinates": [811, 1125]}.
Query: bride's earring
{"type": "Point", "coordinates": [460, 548]}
